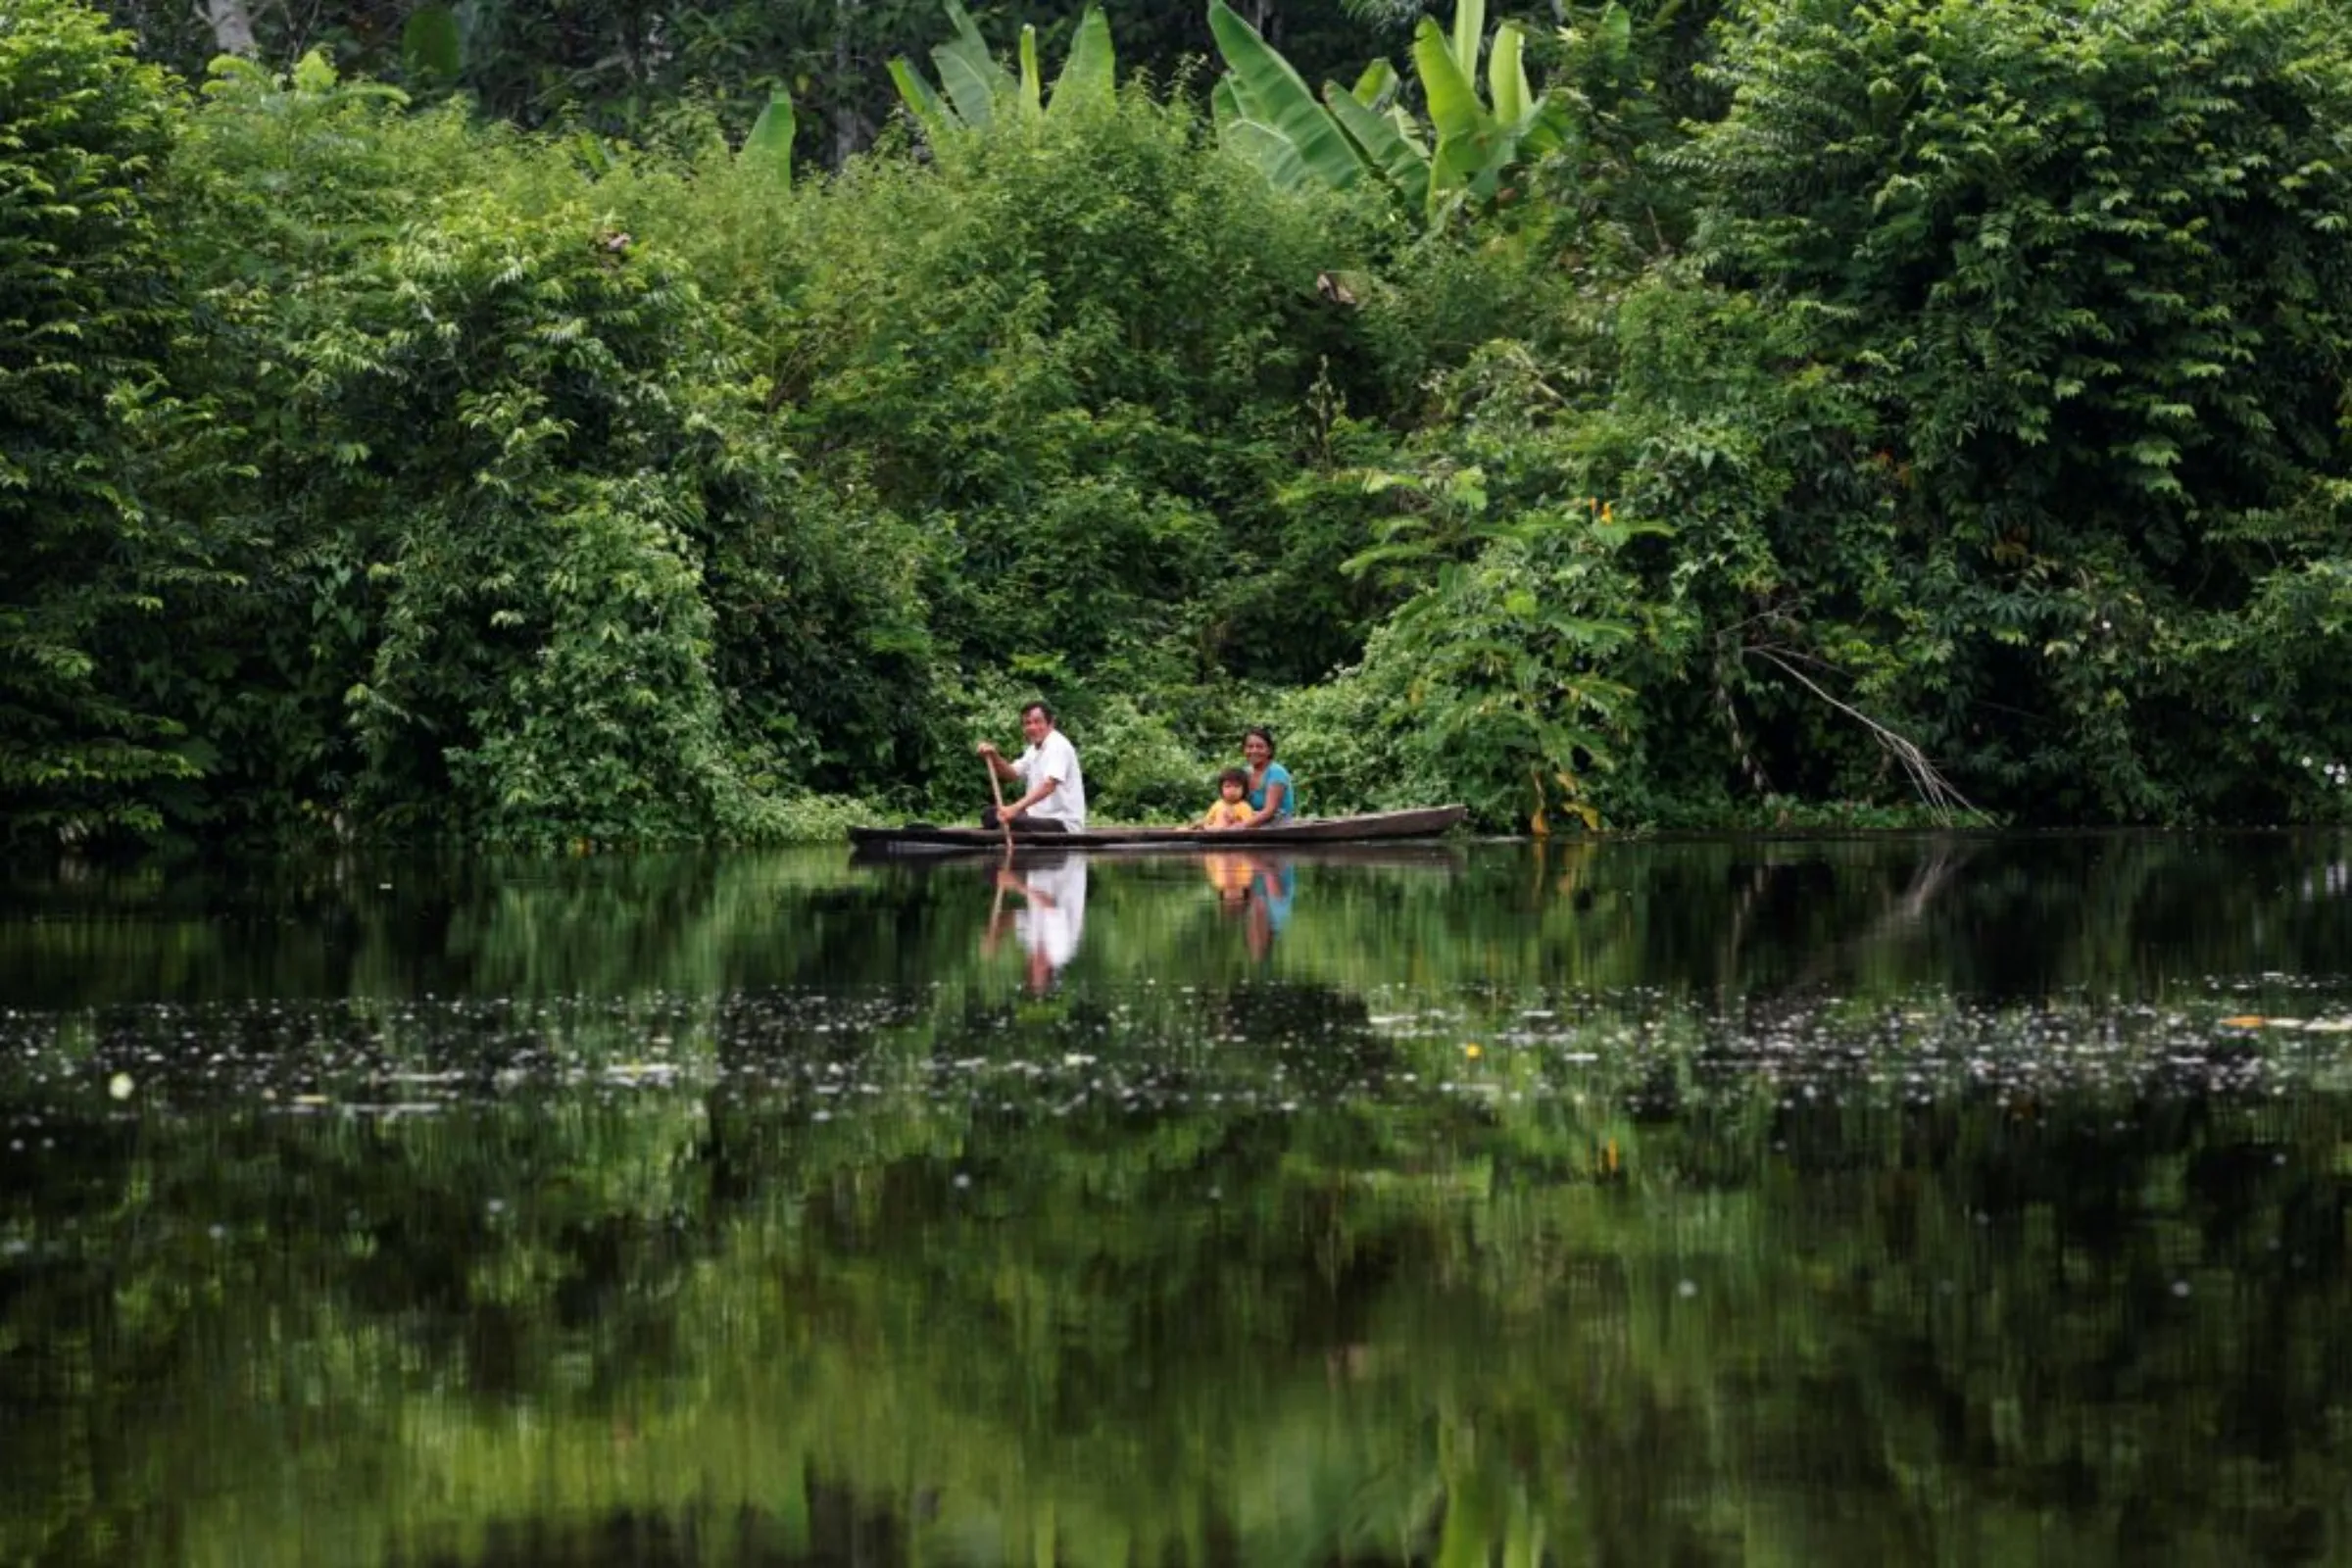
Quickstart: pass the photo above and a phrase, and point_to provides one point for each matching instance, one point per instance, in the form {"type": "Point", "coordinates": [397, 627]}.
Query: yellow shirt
{"type": "Point", "coordinates": [1227, 813]}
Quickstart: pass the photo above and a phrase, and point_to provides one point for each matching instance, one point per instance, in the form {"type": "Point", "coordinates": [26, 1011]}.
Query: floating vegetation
{"type": "Point", "coordinates": [848, 1050]}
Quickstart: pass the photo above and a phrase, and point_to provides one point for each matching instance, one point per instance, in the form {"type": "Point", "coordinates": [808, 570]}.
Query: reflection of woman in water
{"type": "Point", "coordinates": [1271, 886]}
{"type": "Point", "coordinates": [1257, 890]}
{"type": "Point", "coordinates": [1051, 919]}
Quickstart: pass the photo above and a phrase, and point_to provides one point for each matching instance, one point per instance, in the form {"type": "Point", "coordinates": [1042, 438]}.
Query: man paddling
{"type": "Point", "coordinates": [1052, 798]}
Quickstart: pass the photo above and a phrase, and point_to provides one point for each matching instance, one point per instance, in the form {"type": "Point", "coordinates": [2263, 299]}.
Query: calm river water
{"type": "Point", "coordinates": [1890, 1200]}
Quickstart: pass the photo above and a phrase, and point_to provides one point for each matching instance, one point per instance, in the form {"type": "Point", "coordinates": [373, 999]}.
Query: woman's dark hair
{"type": "Point", "coordinates": [1264, 734]}
{"type": "Point", "coordinates": [1233, 775]}
{"type": "Point", "coordinates": [1036, 708]}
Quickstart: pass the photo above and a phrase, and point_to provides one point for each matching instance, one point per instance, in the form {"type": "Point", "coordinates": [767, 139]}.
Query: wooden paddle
{"type": "Point", "coordinates": [995, 793]}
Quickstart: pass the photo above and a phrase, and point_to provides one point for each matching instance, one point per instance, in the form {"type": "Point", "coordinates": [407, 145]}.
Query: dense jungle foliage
{"type": "Point", "coordinates": [1634, 414]}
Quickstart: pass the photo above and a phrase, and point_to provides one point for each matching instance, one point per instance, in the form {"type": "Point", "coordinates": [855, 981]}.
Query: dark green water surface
{"type": "Point", "coordinates": [1901, 1200]}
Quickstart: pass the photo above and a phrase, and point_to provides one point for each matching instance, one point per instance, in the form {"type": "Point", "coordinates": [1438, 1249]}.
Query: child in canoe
{"type": "Point", "coordinates": [1233, 800]}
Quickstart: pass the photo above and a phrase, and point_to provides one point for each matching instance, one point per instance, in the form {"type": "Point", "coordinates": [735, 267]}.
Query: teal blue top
{"type": "Point", "coordinates": [1276, 774]}
{"type": "Point", "coordinates": [1276, 891]}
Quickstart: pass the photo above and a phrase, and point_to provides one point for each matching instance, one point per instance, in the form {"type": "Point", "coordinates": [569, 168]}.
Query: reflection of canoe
{"type": "Point", "coordinates": [1392, 855]}
{"type": "Point", "coordinates": [1426, 822]}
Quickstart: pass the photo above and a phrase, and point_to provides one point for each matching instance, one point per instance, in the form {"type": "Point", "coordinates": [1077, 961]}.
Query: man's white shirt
{"type": "Point", "coordinates": [1055, 757]}
{"type": "Point", "coordinates": [1052, 925]}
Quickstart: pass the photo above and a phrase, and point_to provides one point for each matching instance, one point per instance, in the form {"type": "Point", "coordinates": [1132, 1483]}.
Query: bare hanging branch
{"type": "Point", "coordinates": [1937, 791]}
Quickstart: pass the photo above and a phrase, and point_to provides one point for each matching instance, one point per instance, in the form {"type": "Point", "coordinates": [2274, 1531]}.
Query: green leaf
{"type": "Point", "coordinates": [1239, 132]}
{"type": "Point", "coordinates": [1470, 145]}
{"type": "Point", "coordinates": [1507, 76]}
{"type": "Point", "coordinates": [1469, 28]}
{"type": "Point", "coordinates": [1545, 127]}
{"type": "Point", "coordinates": [770, 145]}
{"type": "Point", "coordinates": [1271, 152]}
{"type": "Point", "coordinates": [1033, 81]}
{"type": "Point", "coordinates": [589, 148]}
{"type": "Point", "coordinates": [1377, 87]}
{"type": "Point", "coordinates": [431, 45]}
{"type": "Point", "coordinates": [1357, 565]}
{"type": "Point", "coordinates": [1408, 127]}
{"type": "Point", "coordinates": [1454, 106]}
{"type": "Point", "coordinates": [968, 74]}
{"type": "Point", "coordinates": [314, 72]}
{"type": "Point", "coordinates": [1468, 164]}
{"type": "Point", "coordinates": [922, 102]}
{"type": "Point", "coordinates": [1617, 29]}
{"type": "Point", "coordinates": [1288, 108]}
{"type": "Point", "coordinates": [1382, 145]}
{"type": "Point", "coordinates": [1091, 69]}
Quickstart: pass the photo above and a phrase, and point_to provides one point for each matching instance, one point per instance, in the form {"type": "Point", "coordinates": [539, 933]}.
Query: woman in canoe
{"type": "Point", "coordinates": [1272, 798]}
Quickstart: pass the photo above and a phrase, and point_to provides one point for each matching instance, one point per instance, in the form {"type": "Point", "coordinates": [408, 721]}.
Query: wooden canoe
{"type": "Point", "coordinates": [1425, 823]}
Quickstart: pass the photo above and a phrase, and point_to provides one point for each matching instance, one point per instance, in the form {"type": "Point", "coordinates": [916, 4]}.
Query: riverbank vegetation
{"type": "Point", "coordinates": [1647, 416]}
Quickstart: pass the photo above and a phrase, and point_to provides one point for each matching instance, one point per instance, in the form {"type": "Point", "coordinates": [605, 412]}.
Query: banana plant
{"type": "Point", "coordinates": [1264, 110]}
{"type": "Point", "coordinates": [975, 88]}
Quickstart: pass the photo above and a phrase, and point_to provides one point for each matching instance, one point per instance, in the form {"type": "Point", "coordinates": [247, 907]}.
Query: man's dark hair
{"type": "Point", "coordinates": [1233, 775]}
{"type": "Point", "coordinates": [1036, 708]}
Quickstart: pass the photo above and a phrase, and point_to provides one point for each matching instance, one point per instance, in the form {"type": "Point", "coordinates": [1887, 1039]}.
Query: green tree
{"type": "Point", "coordinates": [1076, 353]}
{"type": "Point", "coordinates": [2081, 273]}
{"type": "Point", "coordinates": [508, 468]}
{"type": "Point", "coordinates": [85, 314]}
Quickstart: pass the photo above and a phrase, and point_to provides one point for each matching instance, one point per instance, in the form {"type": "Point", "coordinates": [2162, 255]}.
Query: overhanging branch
{"type": "Point", "coordinates": [1939, 793]}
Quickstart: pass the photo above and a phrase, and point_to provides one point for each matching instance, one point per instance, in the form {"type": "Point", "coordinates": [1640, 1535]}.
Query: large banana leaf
{"type": "Point", "coordinates": [1283, 102]}
{"type": "Point", "coordinates": [1090, 70]}
{"type": "Point", "coordinates": [1377, 87]}
{"type": "Point", "coordinates": [924, 104]}
{"type": "Point", "coordinates": [1508, 90]}
{"type": "Point", "coordinates": [1470, 143]}
{"type": "Point", "coordinates": [969, 74]}
{"type": "Point", "coordinates": [770, 145]}
{"type": "Point", "coordinates": [1453, 104]}
{"type": "Point", "coordinates": [1409, 129]}
{"type": "Point", "coordinates": [1239, 131]}
{"type": "Point", "coordinates": [1381, 144]}
{"type": "Point", "coordinates": [1469, 28]}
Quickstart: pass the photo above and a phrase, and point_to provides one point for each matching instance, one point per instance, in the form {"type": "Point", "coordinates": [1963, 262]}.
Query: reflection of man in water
{"type": "Point", "coordinates": [1051, 917]}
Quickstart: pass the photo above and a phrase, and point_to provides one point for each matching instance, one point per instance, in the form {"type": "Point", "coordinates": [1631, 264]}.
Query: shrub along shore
{"type": "Point", "coordinates": [1783, 414]}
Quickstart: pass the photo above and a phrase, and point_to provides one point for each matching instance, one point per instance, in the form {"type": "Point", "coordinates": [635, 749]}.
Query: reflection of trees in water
{"type": "Point", "coordinates": [1358, 1333]}
{"type": "Point", "coordinates": [1984, 916]}
{"type": "Point", "coordinates": [1382, 1324]}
